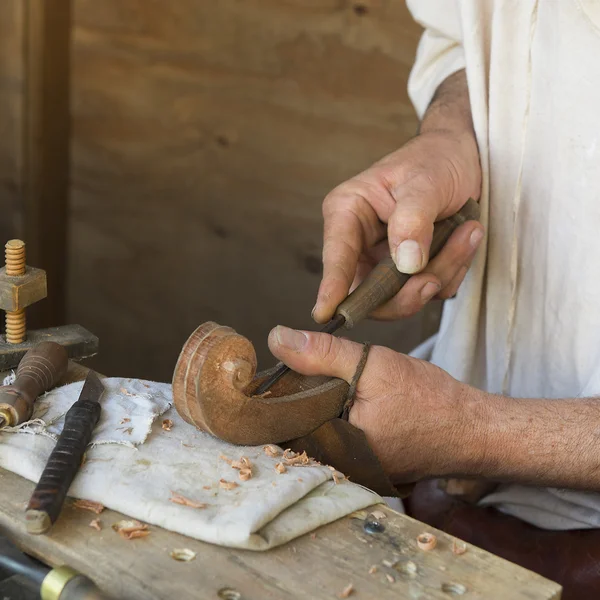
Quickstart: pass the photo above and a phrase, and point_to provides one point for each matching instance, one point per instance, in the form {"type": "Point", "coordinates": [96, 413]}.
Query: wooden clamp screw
{"type": "Point", "coordinates": [20, 286]}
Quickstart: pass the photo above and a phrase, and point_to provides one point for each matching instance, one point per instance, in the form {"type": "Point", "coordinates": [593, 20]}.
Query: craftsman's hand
{"type": "Point", "coordinates": [391, 208]}
{"type": "Point", "coordinates": [413, 414]}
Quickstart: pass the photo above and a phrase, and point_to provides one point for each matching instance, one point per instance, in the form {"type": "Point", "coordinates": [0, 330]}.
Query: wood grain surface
{"type": "Point", "coordinates": [315, 566]}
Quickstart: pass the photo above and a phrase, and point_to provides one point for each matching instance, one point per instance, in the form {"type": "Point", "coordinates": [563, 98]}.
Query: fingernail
{"type": "Point", "coordinates": [429, 290]}
{"type": "Point", "coordinates": [312, 312]}
{"type": "Point", "coordinates": [476, 238]}
{"type": "Point", "coordinates": [409, 257]}
{"type": "Point", "coordinates": [290, 338]}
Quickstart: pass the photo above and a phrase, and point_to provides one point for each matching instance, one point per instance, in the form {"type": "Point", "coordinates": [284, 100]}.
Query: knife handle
{"type": "Point", "coordinates": [40, 369]}
{"type": "Point", "coordinates": [385, 281]}
{"type": "Point", "coordinates": [50, 492]}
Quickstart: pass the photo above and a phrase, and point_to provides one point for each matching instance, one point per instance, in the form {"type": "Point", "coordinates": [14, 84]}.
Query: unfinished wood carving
{"type": "Point", "coordinates": [213, 384]}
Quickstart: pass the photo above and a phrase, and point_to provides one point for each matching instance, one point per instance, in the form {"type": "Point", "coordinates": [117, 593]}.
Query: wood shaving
{"type": "Point", "coordinates": [167, 424]}
{"type": "Point", "coordinates": [297, 459]}
{"type": "Point", "coordinates": [226, 459]}
{"type": "Point", "coordinates": [243, 463]}
{"type": "Point", "coordinates": [126, 393]}
{"type": "Point", "coordinates": [271, 451]}
{"type": "Point", "coordinates": [245, 474]}
{"type": "Point", "coordinates": [96, 524]}
{"type": "Point", "coordinates": [389, 578]}
{"type": "Point", "coordinates": [280, 468]}
{"type": "Point", "coordinates": [458, 547]}
{"type": "Point", "coordinates": [426, 541]}
{"type": "Point", "coordinates": [207, 487]}
{"type": "Point", "coordinates": [128, 430]}
{"type": "Point", "coordinates": [288, 454]}
{"type": "Point", "coordinates": [179, 499]}
{"type": "Point", "coordinates": [183, 554]}
{"type": "Point", "coordinates": [95, 507]}
{"type": "Point", "coordinates": [227, 485]}
{"type": "Point", "coordinates": [347, 591]}
{"type": "Point", "coordinates": [130, 530]}
{"type": "Point", "coordinates": [124, 420]}
{"type": "Point", "coordinates": [378, 515]}
{"type": "Point", "coordinates": [373, 570]}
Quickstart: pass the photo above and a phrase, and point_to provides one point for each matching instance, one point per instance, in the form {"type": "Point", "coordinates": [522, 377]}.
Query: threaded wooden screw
{"type": "Point", "coordinates": [15, 266]}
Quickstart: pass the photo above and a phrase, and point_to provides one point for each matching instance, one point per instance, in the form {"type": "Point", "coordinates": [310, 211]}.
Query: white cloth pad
{"type": "Point", "coordinates": [133, 465]}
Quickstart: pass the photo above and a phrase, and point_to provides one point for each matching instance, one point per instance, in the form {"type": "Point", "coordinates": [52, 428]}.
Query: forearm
{"type": "Point", "coordinates": [450, 108]}
{"type": "Point", "coordinates": [536, 441]}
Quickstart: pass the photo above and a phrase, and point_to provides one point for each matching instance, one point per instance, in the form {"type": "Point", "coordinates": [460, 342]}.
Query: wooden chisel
{"type": "Point", "coordinates": [382, 284]}
{"type": "Point", "coordinates": [64, 462]}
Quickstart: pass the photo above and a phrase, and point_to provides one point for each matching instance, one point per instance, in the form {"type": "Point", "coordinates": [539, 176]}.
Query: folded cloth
{"type": "Point", "coordinates": [137, 462]}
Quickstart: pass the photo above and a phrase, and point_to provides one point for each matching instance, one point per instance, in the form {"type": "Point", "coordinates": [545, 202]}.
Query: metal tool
{"type": "Point", "coordinates": [40, 370]}
{"type": "Point", "coordinates": [20, 287]}
{"type": "Point", "coordinates": [49, 495]}
{"type": "Point", "coordinates": [62, 583]}
{"type": "Point", "coordinates": [382, 284]}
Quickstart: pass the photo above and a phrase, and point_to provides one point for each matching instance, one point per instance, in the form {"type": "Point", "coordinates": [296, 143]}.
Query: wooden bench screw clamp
{"type": "Point", "coordinates": [20, 287]}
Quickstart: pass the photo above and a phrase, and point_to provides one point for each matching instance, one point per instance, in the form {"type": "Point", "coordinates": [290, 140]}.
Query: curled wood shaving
{"type": "Point", "coordinates": [130, 530]}
{"type": "Point", "coordinates": [227, 485]}
{"type": "Point", "coordinates": [183, 554]}
{"type": "Point", "coordinates": [167, 424]}
{"type": "Point", "coordinates": [280, 468]}
{"type": "Point", "coordinates": [245, 474]}
{"type": "Point", "coordinates": [96, 524]}
{"type": "Point", "coordinates": [378, 515]}
{"type": "Point", "coordinates": [373, 570]}
{"type": "Point", "coordinates": [288, 454]}
{"type": "Point", "coordinates": [271, 451]}
{"type": "Point", "coordinates": [125, 420]}
{"type": "Point", "coordinates": [298, 459]}
{"type": "Point", "coordinates": [347, 591]}
{"type": "Point", "coordinates": [426, 541]}
{"type": "Point", "coordinates": [179, 499]}
{"type": "Point", "coordinates": [226, 459]}
{"type": "Point", "coordinates": [458, 547]}
{"type": "Point", "coordinates": [243, 463]}
{"type": "Point", "coordinates": [95, 507]}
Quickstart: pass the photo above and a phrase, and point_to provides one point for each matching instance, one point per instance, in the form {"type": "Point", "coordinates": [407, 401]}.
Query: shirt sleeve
{"type": "Point", "coordinates": [440, 52]}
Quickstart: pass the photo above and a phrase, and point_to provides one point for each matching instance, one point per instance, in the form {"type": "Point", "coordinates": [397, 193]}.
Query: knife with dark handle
{"type": "Point", "coordinates": [64, 462]}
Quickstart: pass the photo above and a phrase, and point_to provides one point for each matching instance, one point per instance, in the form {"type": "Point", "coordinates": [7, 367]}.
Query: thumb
{"type": "Point", "coordinates": [311, 353]}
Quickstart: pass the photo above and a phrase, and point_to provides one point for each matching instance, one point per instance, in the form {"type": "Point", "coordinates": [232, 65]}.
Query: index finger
{"type": "Point", "coordinates": [343, 242]}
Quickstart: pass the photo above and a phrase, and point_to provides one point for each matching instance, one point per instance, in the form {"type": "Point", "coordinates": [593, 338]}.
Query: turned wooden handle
{"type": "Point", "coordinates": [385, 281]}
{"type": "Point", "coordinates": [40, 369]}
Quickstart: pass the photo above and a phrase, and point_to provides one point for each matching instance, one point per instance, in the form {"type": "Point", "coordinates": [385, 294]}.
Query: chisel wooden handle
{"type": "Point", "coordinates": [49, 495]}
{"type": "Point", "coordinates": [385, 281]}
{"type": "Point", "coordinates": [39, 370]}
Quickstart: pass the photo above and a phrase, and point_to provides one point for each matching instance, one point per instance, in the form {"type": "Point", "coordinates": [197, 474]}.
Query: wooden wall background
{"type": "Point", "coordinates": [205, 135]}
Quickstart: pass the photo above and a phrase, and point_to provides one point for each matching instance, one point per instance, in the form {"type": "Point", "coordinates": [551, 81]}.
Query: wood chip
{"type": "Point", "coordinates": [426, 541]}
{"type": "Point", "coordinates": [183, 554]}
{"type": "Point", "coordinates": [389, 578]}
{"type": "Point", "coordinates": [125, 420]}
{"type": "Point", "coordinates": [280, 468]}
{"type": "Point", "coordinates": [167, 424]}
{"type": "Point", "coordinates": [373, 570]}
{"type": "Point", "coordinates": [179, 499]}
{"type": "Point", "coordinates": [271, 451]}
{"type": "Point", "coordinates": [95, 507]}
{"type": "Point", "coordinates": [96, 524]}
{"type": "Point", "coordinates": [378, 515]}
{"type": "Point", "coordinates": [245, 474]}
{"type": "Point", "coordinates": [347, 591]}
{"type": "Point", "coordinates": [131, 529]}
{"type": "Point", "coordinates": [458, 547]}
{"type": "Point", "coordinates": [227, 485]}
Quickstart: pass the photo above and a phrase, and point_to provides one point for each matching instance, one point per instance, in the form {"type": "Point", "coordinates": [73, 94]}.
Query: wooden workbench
{"type": "Point", "coordinates": [315, 566]}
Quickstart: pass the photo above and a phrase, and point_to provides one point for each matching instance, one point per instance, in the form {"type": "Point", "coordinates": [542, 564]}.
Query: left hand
{"type": "Point", "coordinates": [414, 414]}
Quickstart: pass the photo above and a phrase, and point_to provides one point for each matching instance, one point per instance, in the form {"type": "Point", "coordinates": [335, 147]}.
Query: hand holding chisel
{"type": "Point", "coordinates": [382, 284]}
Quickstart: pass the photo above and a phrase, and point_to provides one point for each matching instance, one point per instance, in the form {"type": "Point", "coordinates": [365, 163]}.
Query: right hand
{"type": "Point", "coordinates": [391, 208]}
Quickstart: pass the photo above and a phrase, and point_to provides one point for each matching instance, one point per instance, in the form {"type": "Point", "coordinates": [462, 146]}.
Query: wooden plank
{"type": "Point", "coordinates": [205, 136]}
{"type": "Point", "coordinates": [46, 139]}
{"type": "Point", "coordinates": [319, 566]}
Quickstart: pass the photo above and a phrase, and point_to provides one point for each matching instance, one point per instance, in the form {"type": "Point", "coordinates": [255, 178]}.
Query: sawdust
{"type": "Point", "coordinates": [179, 499]}
{"type": "Point", "coordinates": [95, 507]}
{"type": "Point", "coordinates": [131, 529]}
{"type": "Point", "coordinates": [96, 524]}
